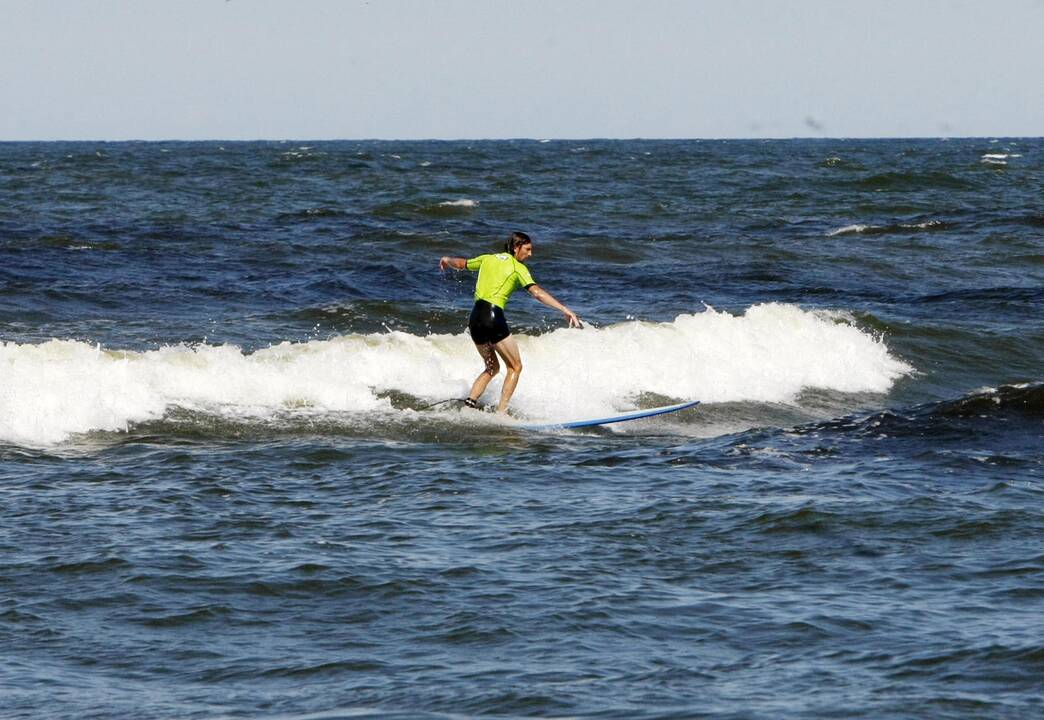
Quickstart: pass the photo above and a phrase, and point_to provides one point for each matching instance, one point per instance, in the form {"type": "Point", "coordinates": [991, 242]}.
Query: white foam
{"type": "Point", "coordinates": [53, 390]}
{"type": "Point", "coordinates": [854, 229]}
{"type": "Point", "coordinates": [304, 151]}
{"type": "Point", "coordinates": [849, 229]}
{"type": "Point", "coordinates": [459, 203]}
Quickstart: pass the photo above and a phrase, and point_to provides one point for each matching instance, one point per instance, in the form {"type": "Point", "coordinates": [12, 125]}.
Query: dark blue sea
{"type": "Point", "coordinates": [223, 495]}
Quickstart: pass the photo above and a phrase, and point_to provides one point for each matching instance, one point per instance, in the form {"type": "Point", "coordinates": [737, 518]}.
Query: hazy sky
{"type": "Point", "coordinates": [314, 69]}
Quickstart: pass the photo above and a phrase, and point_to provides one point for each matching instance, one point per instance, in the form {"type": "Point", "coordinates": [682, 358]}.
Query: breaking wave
{"type": "Point", "coordinates": [859, 229]}
{"type": "Point", "coordinates": [770, 353]}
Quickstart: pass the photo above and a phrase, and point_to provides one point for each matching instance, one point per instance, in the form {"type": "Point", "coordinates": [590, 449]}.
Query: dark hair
{"type": "Point", "coordinates": [516, 240]}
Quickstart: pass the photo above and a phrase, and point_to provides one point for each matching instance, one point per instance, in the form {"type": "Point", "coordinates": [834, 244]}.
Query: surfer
{"type": "Point", "coordinates": [499, 275]}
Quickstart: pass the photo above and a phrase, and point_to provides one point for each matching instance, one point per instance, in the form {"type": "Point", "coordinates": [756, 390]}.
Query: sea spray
{"type": "Point", "coordinates": [769, 354]}
{"type": "Point", "coordinates": [772, 352]}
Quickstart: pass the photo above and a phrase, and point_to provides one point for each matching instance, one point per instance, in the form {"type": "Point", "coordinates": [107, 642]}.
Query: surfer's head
{"type": "Point", "coordinates": [519, 243]}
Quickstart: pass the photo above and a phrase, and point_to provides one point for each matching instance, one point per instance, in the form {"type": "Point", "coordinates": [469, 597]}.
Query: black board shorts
{"type": "Point", "coordinates": [487, 323]}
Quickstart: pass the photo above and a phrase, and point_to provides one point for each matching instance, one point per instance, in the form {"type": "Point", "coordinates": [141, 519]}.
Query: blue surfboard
{"type": "Point", "coordinates": [636, 415]}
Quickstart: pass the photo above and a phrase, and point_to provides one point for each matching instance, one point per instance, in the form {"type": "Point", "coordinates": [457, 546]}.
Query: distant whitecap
{"type": "Point", "coordinates": [929, 225]}
{"type": "Point", "coordinates": [849, 229]}
{"type": "Point", "coordinates": [463, 202]}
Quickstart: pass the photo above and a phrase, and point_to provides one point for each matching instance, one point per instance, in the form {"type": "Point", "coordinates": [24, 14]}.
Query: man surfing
{"type": "Point", "coordinates": [499, 275]}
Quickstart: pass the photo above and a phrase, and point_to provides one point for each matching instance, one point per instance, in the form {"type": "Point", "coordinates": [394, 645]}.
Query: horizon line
{"type": "Point", "coordinates": [638, 138]}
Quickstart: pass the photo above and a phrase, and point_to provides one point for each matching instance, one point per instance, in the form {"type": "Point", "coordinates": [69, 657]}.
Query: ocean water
{"type": "Point", "coordinates": [223, 496]}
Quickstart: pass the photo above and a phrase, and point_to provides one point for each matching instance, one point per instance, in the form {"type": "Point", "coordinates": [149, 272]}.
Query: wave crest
{"type": "Point", "coordinates": [859, 229]}
{"type": "Point", "coordinates": [771, 353]}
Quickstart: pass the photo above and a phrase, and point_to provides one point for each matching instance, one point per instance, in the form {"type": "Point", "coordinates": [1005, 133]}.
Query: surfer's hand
{"type": "Point", "coordinates": [574, 321]}
{"type": "Point", "coordinates": [444, 262]}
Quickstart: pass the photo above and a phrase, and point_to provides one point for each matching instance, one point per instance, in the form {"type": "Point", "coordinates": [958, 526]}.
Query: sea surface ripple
{"type": "Point", "coordinates": [223, 496]}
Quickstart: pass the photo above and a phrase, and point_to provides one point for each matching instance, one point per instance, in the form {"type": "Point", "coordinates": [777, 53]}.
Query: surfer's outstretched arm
{"type": "Point", "coordinates": [548, 299]}
{"type": "Point", "coordinates": [457, 263]}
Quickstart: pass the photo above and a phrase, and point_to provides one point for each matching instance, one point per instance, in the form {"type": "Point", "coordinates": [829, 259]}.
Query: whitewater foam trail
{"type": "Point", "coordinates": [53, 390]}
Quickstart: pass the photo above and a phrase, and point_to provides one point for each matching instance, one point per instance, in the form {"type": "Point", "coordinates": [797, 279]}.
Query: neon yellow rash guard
{"type": "Point", "coordinates": [499, 276]}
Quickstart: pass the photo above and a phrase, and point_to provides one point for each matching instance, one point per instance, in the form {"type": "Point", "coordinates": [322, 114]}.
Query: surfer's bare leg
{"type": "Point", "coordinates": [508, 351]}
{"type": "Point", "coordinates": [492, 368]}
